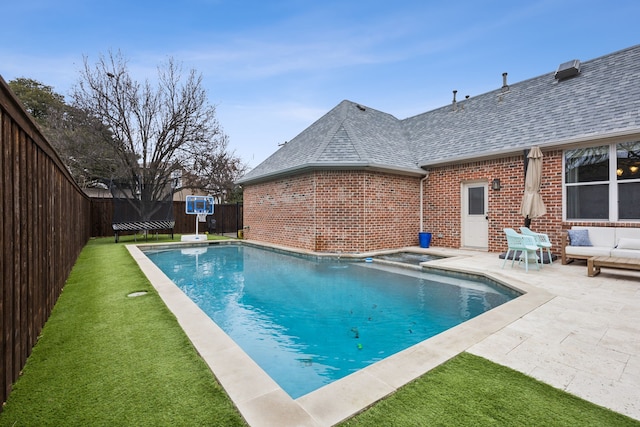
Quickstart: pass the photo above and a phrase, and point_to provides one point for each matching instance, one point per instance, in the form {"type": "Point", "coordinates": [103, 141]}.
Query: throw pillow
{"type": "Point", "coordinates": [626, 243]}
{"type": "Point", "coordinates": [579, 237]}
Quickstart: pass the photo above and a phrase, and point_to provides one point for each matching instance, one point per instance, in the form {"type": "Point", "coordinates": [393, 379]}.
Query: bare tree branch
{"type": "Point", "coordinates": [158, 129]}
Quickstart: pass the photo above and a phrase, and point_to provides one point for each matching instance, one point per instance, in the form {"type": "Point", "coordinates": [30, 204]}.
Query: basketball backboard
{"type": "Point", "coordinates": [199, 205]}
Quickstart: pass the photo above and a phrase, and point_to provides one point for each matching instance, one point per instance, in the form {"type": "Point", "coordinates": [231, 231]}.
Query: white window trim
{"type": "Point", "coordinates": [612, 183]}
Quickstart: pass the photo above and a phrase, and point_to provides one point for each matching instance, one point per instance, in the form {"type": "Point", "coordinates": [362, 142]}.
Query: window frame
{"type": "Point", "coordinates": [612, 183]}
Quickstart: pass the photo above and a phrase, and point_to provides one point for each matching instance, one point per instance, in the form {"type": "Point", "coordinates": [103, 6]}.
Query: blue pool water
{"type": "Point", "coordinates": [309, 322]}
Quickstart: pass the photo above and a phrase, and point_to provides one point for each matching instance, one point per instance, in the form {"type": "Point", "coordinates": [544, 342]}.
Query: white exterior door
{"type": "Point", "coordinates": [475, 221]}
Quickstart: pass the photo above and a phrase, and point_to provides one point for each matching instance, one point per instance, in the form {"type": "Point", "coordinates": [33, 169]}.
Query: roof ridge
{"type": "Point", "coordinates": [342, 142]}
{"type": "Point", "coordinates": [357, 143]}
{"type": "Point", "coordinates": [342, 116]}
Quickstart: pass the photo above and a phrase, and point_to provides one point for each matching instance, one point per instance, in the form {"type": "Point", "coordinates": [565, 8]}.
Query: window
{"type": "Point", "coordinates": [603, 183]}
{"type": "Point", "coordinates": [628, 179]}
{"type": "Point", "coordinates": [476, 201]}
{"type": "Point", "coordinates": [176, 179]}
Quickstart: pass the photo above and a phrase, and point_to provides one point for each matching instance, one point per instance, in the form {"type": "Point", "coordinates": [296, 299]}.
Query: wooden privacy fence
{"type": "Point", "coordinates": [228, 218]}
{"type": "Point", "coordinates": [44, 224]}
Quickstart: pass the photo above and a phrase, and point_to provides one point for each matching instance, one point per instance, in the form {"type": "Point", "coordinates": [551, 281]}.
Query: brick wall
{"type": "Point", "coordinates": [329, 211]}
{"type": "Point", "coordinates": [356, 211]}
{"type": "Point", "coordinates": [281, 211]}
{"type": "Point", "coordinates": [442, 215]}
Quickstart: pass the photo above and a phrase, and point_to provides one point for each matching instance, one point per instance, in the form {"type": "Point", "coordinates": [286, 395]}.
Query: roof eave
{"type": "Point", "coordinates": [308, 167]}
{"type": "Point", "coordinates": [560, 143]}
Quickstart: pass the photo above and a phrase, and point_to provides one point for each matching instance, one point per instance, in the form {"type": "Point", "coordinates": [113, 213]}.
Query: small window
{"type": "Point", "coordinates": [176, 179]}
{"type": "Point", "coordinates": [628, 157]}
{"type": "Point", "coordinates": [588, 202]}
{"type": "Point", "coordinates": [587, 165]}
{"type": "Point", "coordinates": [476, 200]}
{"type": "Point", "coordinates": [629, 200]}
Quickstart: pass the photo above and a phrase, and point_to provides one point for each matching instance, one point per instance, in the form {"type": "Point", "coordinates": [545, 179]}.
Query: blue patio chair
{"type": "Point", "coordinates": [524, 247]}
{"type": "Point", "coordinates": [542, 241]}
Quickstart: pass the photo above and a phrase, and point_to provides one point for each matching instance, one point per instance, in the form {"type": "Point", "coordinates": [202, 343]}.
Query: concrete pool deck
{"type": "Point", "coordinates": [577, 333]}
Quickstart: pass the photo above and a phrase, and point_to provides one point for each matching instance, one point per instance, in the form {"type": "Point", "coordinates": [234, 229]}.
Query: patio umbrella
{"type": "Point", "coordinates": [532, 204]}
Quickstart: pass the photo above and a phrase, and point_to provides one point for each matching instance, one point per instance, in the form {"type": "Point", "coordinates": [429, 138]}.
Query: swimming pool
{"type": "Point", "coordinates": [307, 321]}
{"type": "Point", "coordinates": [411, 258]}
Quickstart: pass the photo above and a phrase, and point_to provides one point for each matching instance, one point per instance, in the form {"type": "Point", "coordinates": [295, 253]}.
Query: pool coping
{"type": "Point", "coordinates": [263, 403]}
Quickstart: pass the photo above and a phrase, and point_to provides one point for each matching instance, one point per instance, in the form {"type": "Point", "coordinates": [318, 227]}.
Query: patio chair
{"type": "Point", "coordinates": [542, 241]}
{"type": "Point", "coordinates": [524, 247]}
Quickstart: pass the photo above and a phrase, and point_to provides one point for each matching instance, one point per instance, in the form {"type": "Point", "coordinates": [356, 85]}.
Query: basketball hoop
{"type": "Point", "coordinates": [200, 206]}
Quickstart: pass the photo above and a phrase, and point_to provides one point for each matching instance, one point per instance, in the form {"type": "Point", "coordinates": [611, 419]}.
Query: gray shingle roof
{"type": "Point", "coordinates": [603, 100]}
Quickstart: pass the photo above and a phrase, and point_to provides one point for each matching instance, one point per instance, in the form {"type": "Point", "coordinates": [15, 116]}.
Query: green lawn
{"type": "Point", "coordinates": [471, 391]}
{"type": "Point", "coordinates": [105, 359]}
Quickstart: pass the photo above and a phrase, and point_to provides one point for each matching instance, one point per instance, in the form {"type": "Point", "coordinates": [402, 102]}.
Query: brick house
{"type": "Point", "coordinates": [359, 179]}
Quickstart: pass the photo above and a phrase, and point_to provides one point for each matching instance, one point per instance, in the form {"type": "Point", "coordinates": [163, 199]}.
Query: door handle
{"type": "Point", "coordinates": [486, 217]}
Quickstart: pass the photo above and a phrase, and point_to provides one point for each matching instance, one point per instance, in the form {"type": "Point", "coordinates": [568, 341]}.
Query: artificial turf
{"type": "Point", "coordinates": [471, 391]}
{"type": "Point", "coordinates": [106, 359]}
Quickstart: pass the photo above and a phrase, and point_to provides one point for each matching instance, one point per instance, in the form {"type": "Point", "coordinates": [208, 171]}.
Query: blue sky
{"type": "Point", "coordinates": [272, 68]}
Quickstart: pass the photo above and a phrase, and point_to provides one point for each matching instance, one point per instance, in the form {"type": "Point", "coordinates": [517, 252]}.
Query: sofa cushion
{"type": "Point", "coordinates": [627, 243]}
{"type": "Point", "coordinates": [579, 237]}
{"type": "Point", "coordinates": [601, 236]}
{"type": "Point", "coordinates": [628, 232]}
{"type": "Point", "coordinates": [626, 253]}
{"type": "Point", "coordinates": [587, 251]}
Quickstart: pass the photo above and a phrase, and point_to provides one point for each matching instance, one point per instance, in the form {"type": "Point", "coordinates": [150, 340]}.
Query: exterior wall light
{"type": "Point", "coordinates": [495, 184]}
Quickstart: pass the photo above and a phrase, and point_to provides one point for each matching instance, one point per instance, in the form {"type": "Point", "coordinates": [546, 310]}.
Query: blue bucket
{"type": "Point", "coordinates": [425, 239]}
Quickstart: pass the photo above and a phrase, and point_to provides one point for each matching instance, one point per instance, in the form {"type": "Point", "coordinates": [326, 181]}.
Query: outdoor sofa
{"type": "Point", "coordinates": [586, 242]}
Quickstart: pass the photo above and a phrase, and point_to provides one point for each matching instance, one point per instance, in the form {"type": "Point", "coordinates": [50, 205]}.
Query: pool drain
{"type": "Point", "coordinates": [137, 294]}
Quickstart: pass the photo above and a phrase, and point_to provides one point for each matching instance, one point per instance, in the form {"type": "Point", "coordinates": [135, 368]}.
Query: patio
{"type": "Point", "coordinates": [585, 340]}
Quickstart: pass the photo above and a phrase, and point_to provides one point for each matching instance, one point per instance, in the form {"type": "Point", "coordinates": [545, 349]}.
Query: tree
{"type": "Point", "coordinates": [217, 171]}
{"type": "Point", "coordinates": [70, 131]}
{"type": "Point", "coordinates": [156, 130]}
{"type": "Point", "coordinates": [37, 98]}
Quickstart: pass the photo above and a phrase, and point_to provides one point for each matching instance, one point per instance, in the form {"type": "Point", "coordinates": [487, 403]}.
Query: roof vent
{"type": "Point", "coordinates": [568, 69]}
{"type": "Point", "coordinates": [505, 86]}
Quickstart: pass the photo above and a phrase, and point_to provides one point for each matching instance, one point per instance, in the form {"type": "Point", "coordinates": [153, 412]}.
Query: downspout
{"type": "Point", "coordinates": [421, 199]}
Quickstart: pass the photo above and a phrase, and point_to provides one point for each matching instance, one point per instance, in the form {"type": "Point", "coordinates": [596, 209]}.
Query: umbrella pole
{"type": "Point", "coordinates": [527, 220]}
{"type": "Point", "coordinates": [526, 163]}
